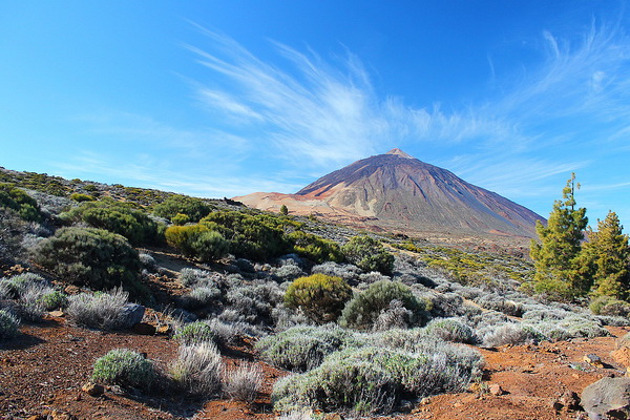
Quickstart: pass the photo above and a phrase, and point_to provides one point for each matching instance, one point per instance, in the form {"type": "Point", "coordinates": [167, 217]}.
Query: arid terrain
{"type": "Point", "coordinates": [43, 372]}
{"type": "Point", "coordinates": [441, 332]}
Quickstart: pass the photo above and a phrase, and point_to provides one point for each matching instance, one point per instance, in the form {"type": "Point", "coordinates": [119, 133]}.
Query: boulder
{"type": "Point", "coordinates": [622, 356]}
{"type": "Point", "coordinates": [607, 398]}
{"type": "Point", "coordinates": [93, 389]}
{"type": "Point", "coordinates": [594, 360]}
{"type": "Point", "coordinates": [496, 390]}
{"type": "Point", "coordinates": [131, 315]}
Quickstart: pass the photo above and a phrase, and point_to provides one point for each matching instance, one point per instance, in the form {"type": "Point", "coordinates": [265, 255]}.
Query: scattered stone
{"type": "Point", "coordinates": [93, 389]}
{"type": "Point", "coordinates": [144, 329]}
{"type": "Point", "coordinates": [496, 390]}
{"type": "Point", "coordinates": [56, 314]}
{"type": "Point", "coordinates": [594, 360]}
{"type": "Point", "coordinates": [475, 387]}
{"type": "Point", "coordinates": [71, 290]}
{"type": "Point", "coordinates": [131, 315]}
{"type": "Point", "coordinates": [568, 400]}
{"type": "Point", "coordinates": [58, 415]}
{"type": "Point", "coordinates": [608, 397]}
{"type": "Point", "coordinates": [622, 356]}
{"type": "Point", "coordinates": [333, 416]}
{"type": "Point", "coordinates": [164, 329]}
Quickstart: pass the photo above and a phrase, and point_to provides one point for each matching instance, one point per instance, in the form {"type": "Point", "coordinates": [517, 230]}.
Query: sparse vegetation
{"type": "Point", "coordinates": [271, 287]}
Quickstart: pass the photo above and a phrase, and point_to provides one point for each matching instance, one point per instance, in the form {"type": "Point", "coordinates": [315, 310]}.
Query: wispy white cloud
{"type": "Point", "coordinates": [318, 114]}
{"type": "Point", "coordinates": [327, 113]}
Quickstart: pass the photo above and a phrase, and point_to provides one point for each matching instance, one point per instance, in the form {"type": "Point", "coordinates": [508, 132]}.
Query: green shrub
{"type": "Point", "coordinates": [16, 199]}
{"type": "Point", "coordinates": [319, 296]}
{"type": "Point", "coordinates": [91, 257]}
{"type": "Point", "coordinates": [449, 329]}
{"type": "Point", "coordinates": [124, 367]}
{"type": "Point", "coordinates": [116, 217]}
{"type": "Point", "coordinates": [302, 348]}
{"type": "Point", "coordinates": [197, 241]}
{"type": "Point", "coordinates": [315, 248]}
{"type": "Point", "coordinates": [175, 205]}
{"type": "Point", "coordinates": [54, 300]}
{"type": "Point", "coordinates": [373, 379]}
{"type": "Point", "coordinates": [80, 198]}
{"type": "Point", "coordinates": [253, 236]}
{"type": "Point", "coordinates": [608, 305]}
{"type": "Point", "coordinates": [368, 254]}
{"type": "Point", "coordinates": [210, 246]}
{"type": "Point", "coordinates": [180, 219]}
{"type": "Point", "coordinates": [194, 333]}
{"type": "Point", "coordinates": [363, 310]}
{"type": "Point", "coordinates": [8, 325]}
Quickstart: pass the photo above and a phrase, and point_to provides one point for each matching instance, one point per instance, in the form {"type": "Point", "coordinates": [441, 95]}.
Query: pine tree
{"type": "Point", "coordinates": [609, 252]}
{"type": "Point", "coordinates": [560, 271]}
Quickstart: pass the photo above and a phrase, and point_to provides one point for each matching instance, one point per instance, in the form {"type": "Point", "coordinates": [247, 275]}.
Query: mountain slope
{"type": "Point", "coordinates": [398, 192]}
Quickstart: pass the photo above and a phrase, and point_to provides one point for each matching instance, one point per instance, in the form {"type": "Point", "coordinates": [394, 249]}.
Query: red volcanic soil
{"type": "Point", "coordinates": [43, 370]}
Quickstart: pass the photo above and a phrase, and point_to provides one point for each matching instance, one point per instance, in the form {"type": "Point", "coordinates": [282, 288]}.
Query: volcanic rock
{"type": "Point", "coordinates": [397, 192]}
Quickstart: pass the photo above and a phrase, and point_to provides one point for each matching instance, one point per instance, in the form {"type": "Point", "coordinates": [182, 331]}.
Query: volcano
{"type": "Point", "coordinates": [397, 192]}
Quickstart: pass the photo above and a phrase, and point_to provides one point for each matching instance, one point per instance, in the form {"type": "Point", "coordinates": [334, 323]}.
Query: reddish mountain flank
{"type": "Point", "coordinates": [397, 192]}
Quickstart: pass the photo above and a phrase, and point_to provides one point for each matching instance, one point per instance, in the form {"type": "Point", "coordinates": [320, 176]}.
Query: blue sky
{"type": "Point", "coordinates": [223, 98]}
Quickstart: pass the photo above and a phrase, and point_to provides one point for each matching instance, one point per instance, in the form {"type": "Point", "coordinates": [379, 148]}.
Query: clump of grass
{"type": "Point", "coordinates": [100, 310]}
{"type": "Point", "coordinates": [243, 382]}
{"type": "Point", "coordinates": [198, 368]}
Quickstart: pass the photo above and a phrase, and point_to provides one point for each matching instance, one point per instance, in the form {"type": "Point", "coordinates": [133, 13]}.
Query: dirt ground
{"type": "Point", "coordinates": [43, 370]}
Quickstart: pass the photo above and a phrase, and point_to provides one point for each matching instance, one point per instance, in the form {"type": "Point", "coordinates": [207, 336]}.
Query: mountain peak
{"type": "Point", "coordinates": [401, 193]}
{"type": "Point", "coordinates": [396, 151]}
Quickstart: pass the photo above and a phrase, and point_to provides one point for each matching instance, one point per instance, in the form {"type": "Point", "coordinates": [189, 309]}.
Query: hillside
{"type": "Point", "coordinates": [203, 295]}
{"type": "Point", "coordinates": [396, 192]}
